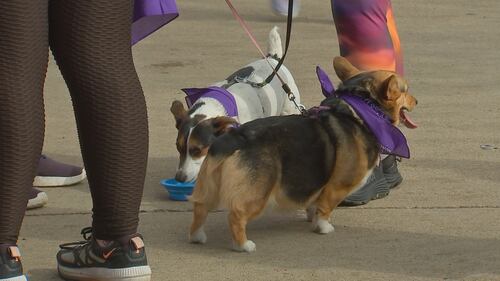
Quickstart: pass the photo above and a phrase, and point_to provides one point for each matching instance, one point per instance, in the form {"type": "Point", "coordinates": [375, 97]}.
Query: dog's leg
{"type": "Point", "coordinates": [197, 234]}
{"type": "Point", "coordinates": [310, 211]}
{"type": "Point", "coordinates": [238, 224]}
{"type": "Point", "coordinates": [307, 214]}
{"type": "Point", "coordinates": [329, 198]}
{"type": "Point", "coordinates": [238, 219]}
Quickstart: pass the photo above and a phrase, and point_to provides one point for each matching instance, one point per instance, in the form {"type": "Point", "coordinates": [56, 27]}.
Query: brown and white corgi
{"type": "Point", "coordinates": [299, 161]}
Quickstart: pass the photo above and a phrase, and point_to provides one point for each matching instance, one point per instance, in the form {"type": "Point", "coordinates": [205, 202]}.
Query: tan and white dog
{"type": "Point", "coordinates": [297, 161]}
{"type": "Point", "coordinates": [207, 118]}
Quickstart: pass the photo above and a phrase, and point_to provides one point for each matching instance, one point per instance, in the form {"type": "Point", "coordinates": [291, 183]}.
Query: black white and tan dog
{"type": "Point", "coordinates": [237, 99]}
{"type": "Point", "coordinates": [298, 161]}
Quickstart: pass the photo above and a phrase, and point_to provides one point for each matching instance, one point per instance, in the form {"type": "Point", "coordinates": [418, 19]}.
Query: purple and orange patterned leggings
{"type": "Point", "coordinates": [367, 34]}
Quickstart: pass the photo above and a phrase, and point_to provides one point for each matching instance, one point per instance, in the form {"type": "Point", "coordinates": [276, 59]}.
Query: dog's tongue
{"type": "Point", "coordinates": [406, 120]}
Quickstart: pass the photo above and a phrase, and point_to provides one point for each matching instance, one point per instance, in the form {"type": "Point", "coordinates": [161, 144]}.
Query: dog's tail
{"type": "Point", "coordinates": [274, 47]}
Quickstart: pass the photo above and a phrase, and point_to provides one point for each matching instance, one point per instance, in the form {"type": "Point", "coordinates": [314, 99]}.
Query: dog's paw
{"type": "Point", "coordinates": [249, 246]}
{"type": "Point", "coordinates": [322, 226]}
{"type": "Point", "coordinates": [198, 237]}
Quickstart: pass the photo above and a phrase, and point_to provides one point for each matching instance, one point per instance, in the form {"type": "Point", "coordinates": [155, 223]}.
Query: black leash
{"type": "Point", "coordinates": [287, 43]}
{"type": "Point", "coordinates": [285, 86]}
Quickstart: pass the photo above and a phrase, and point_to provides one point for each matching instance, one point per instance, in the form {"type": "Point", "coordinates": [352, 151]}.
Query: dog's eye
{"type": "Point", "coordinates": [195, 151]}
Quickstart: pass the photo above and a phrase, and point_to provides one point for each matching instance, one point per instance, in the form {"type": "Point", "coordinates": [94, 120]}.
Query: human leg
{"type": "Point", "coordinates": [23, 64]}
{"type": "Point", "coordinates": [368, 38]}
{"type": "Point", "coordinates": [367, 34]}
{"type": "Point", "coordinates": [91, 44]}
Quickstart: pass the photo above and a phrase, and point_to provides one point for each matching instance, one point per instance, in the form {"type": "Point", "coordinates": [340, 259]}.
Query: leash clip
{"type": "Point", "coordinates": [292, 98]}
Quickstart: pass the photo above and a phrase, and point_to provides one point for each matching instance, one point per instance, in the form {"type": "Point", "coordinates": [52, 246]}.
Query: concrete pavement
{"type": "Point", "coordinates": [442, 224]}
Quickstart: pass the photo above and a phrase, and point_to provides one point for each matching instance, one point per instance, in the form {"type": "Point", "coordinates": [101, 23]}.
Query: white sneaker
{"type": "Point", "coordinates": [280, 7]}
{"type": "Point", "coordinates": [37, 199]}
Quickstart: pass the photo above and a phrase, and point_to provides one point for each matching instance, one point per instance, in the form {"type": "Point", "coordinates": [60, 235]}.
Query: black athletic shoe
{"type": "Point", "coordinates": [11, 268]}
{"type": "Point", "coordinates": [391, 173]}
{"type": "Point", "coordinates": [122, 259]}
{"type": "Point", "coordinates": [376, 187]}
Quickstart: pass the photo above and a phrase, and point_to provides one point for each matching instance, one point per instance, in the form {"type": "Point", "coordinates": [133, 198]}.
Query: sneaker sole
{"type": "Point", "coordinates": [41, 181]}
{"type": "Point", "coordinates": [39, 201]}
{"type": "Point", "coordinates": [138, 273]}
{"type": "Point", "coordinates": [17, 278]}
{"type": "Point", "coordinates": [380, 191]}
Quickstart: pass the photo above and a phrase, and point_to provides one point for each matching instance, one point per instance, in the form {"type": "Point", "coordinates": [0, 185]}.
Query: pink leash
{"type": "Point", "coordinates": [285, 86]}
{"type": "Point", "coordinates": [249, 33]}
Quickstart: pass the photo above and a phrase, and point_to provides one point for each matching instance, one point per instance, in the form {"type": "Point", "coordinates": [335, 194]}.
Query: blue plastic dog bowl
{"type": "Point", "coordinates": [178, 191]}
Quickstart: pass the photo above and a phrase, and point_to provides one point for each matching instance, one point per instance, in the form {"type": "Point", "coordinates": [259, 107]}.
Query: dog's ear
{"type": "Point", "coordinates": [222, 124]}
{"type": "Point", "coordinates": [344, 68]}
{"type": "Point", "coordinates": [179, 112]}
{"type": "Point", "coordinates": [393, 89]}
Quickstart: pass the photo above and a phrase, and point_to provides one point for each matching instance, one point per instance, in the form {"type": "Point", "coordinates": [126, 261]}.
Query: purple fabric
{"type": "Point", "coordinates": [326, 84]}
{"type": "Point", "coordinates": [150, 15]}
{"type": "Point", "coordinates": [390, 138]}
{"type": "Point", "coordinates": [218, 93]}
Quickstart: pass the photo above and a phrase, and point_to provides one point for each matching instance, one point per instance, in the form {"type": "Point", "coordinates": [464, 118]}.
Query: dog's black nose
{"type": "Point", "coordinates": [180, 176]}
{"type": "Point", "coordinates": [416, 101]}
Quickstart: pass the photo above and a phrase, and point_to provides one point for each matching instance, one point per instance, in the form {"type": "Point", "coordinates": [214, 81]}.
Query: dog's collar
{"type": "Point", "coordinates": [390, 138]}
{"type": "Point", "coordinates": [315, 110]}
{"type": "Point", "coordinates": [220, 94]}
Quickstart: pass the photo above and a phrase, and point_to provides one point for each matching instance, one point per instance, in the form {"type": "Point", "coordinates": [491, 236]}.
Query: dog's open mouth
{"type": "Point", "coordinates": [403, 114]}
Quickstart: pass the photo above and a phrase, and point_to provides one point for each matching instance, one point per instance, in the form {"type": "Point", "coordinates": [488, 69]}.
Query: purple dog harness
{"type": "Point", "coordinates": [390, 138]}
{"type": "Point", "coordinates": [150, 15]}
{"type": "Point", "coordinates": [220, 94]}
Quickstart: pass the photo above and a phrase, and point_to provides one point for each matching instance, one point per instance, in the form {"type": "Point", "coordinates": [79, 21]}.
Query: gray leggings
{"type": "Point", "coordinates": [90, 40]}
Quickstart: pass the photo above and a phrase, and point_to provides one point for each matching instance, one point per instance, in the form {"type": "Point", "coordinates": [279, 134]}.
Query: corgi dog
{"type": "Point", "coordinates": [299, 161]}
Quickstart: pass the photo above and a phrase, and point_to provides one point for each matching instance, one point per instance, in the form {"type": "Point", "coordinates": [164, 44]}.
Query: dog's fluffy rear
{"type": "Point", "coordinates": [221, 184]}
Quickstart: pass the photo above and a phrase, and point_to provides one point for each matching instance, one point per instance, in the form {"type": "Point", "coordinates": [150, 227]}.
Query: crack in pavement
{"type": "Point", "coordinates": [343, 208]}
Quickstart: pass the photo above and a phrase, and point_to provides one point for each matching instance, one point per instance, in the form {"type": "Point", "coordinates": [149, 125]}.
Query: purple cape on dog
{"type": "Point", "coordinates": [390, 138]}
{"type": "Point", "coordinates": [150, 15]}
{"type": "Point", "coordinates": [220, 94]}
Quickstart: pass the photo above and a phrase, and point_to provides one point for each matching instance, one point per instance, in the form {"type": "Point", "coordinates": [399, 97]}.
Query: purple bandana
{"type": "Point", "coordinates": [326, 84]}
{"type": "Point", "coordinates": [220, 94]}
{"type": "Point", "coordinates": [150, 15]}
{"type": "Point", "coordinates": [390, 138]}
